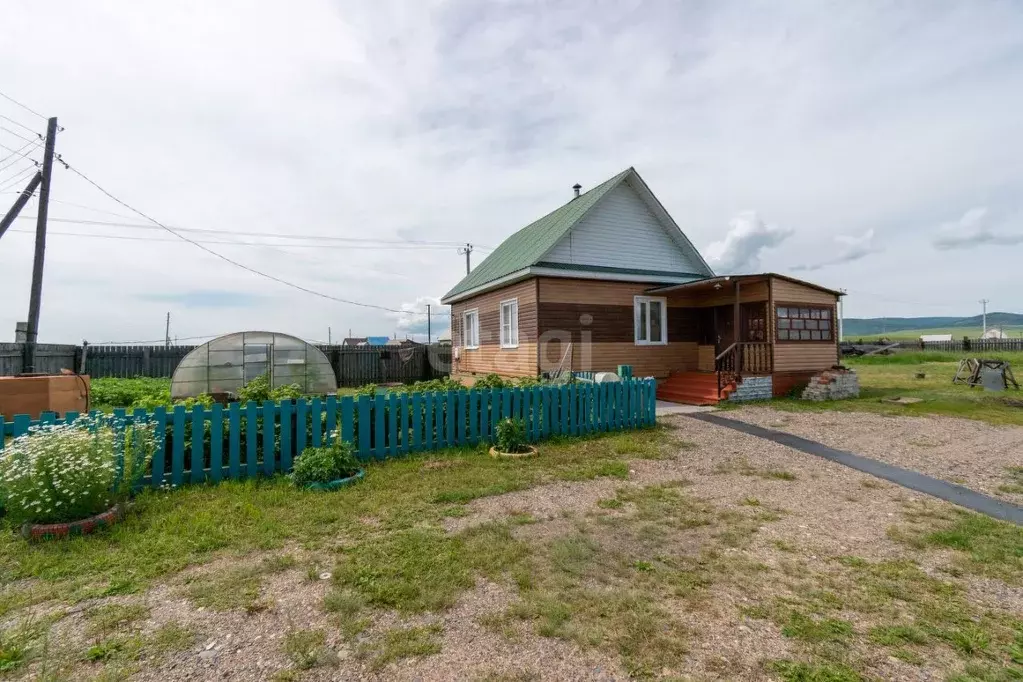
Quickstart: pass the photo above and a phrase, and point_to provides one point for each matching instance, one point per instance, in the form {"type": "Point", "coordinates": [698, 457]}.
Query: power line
{"type": "Point", "coordinates": [19, 124]}
{"type": "Point", "coordinates": [19, 178]}
{"type": "Point", "coordinates": [36, 144]}
{"type": "Point", "coordinates": [26, 108]}
{"type": "Point", "coordinates": [223, 257]}
{"type": "Point", "coordinates": [383, 247]}
{"type": "Point", "coordinates": [358, 240]}
{"type": "Point", "coordinates": [132, 343]}
{"type": "Point", "coordinates": [18, 152]}
{"type": "Point", "coordinates": [19, 135]}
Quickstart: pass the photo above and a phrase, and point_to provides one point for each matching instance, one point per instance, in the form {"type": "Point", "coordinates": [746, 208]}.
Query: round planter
{"type": "Point", "coordinates": [56, 531]}
{"type": "Point", "coordinates": [531, 452]}
{"type": "Point", "coordinates": [339, 483]}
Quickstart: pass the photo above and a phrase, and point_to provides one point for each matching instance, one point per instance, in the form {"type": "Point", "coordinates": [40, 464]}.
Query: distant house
{"type": "Point", "coordinates": [994, 333]}
{"type": "Point", "coordinates": [609, 279]}
{"type": "Point", "coordinates": [934, 338]}
{"type": "Point", "coordinates": [365, 341]}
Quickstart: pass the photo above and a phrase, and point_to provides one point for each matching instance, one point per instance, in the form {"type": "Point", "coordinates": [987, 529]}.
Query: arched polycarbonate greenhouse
{"type": "Point", "coordinates": [225, 364]}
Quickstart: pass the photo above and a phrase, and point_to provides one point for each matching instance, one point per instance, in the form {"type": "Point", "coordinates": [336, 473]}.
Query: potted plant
{"type": "Point", "coordinates": [511, 440]}
{"type": "Point", "coordinates": [327, 468]}
{"type": "Point", "coordinates": [70, 479]}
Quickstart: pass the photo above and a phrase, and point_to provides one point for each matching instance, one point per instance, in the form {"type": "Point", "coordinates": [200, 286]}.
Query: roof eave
{"type": "Point", "coordinates": [726, 278]}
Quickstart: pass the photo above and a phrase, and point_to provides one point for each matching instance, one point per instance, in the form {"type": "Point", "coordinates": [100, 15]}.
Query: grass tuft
{"type": "Point", "coordinates": [400, 643]}
{"type": "Point", "coordinates": [308, 649]}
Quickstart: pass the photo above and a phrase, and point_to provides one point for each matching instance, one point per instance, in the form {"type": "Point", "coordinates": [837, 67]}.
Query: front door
{"type": "Point", "coordinates": [724, 327]}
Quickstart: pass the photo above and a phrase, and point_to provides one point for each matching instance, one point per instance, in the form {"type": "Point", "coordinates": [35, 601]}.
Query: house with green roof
{"type": "Point", "coordinates": [610, 279]}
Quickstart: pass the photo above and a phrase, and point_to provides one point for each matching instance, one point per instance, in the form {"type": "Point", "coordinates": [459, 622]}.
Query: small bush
{"type": "Point", "coordinates": [511, 435]}
{"type": "Point", "coordinates": [259, 390]}
{"type": "Point", "coordinates": [325, 464]}
{"type": "Point", "coordinates": [68, 472]}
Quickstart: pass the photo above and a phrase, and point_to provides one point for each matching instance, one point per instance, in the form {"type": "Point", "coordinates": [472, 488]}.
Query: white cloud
{"type": "Point", "coordinates": [747, 238]}
{"type": "Point", "coordinates": [851, 249]}
{"type": "Point", "coordinates": [413, 320]}
{"type": "Point", "coordinates": [977, 228]}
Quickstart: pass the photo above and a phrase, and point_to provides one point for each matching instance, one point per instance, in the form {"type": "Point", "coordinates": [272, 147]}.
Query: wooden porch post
{"type": "Point", "coordinates": [735, 314]}
{"type": "Point", "coordinates": [736, 330]}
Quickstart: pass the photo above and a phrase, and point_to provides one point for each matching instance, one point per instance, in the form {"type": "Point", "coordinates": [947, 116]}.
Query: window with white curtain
{"type": "Point", "coordinates": [471, 328]}
{"type": "Point", "coordinates": [651, 313]}
{"type": "Point", "coordinates": [510, 323]}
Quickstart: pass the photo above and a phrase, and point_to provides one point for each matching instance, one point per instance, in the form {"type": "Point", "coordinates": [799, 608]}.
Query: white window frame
{"type": "Point", "coordinates": [512, 340]}
{"type": "Point", "coordinates": [637, 303]}
{"type": "Point", "coordinates": [471, 332]}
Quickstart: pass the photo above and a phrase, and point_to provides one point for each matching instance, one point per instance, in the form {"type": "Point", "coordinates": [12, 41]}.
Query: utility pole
{"type": "Point", "coordinates": [35, 302]}
{"type": "Point", "coordinates": [330, 339]}
{"type": "Point", "coordinates": [19, 204]}
{"type": "Point", "coordinates": [429, 319]}
{"type": "Point", "coordinates": [166, 333]}
{"type": "Point", "coordinates": [984, 303]}
{"type": "Point", "coordinates": [841, 315]}
{"type": "Point", "coordinates": [467, 249]}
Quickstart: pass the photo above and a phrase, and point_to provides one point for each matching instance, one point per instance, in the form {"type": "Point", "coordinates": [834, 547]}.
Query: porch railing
{"type": "Point", "coordinates": [755, 357]}
{"type": "Point", "coordinates": [742, 357]}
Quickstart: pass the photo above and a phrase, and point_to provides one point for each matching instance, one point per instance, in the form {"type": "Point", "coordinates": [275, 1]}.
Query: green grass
{"type": "Point", "coordinates": [308, 649]}
{"type": "Point", "coordinates": [400, 643]}
{"type": "Point", "coordinates": [983, 545]}
{"type": "Point", "coordinates": [916, 613]}
{"type": "Point", "coordinates": [806, 628]}
{"type": "Point", "coordinates": [792, 671]}
{"type": "Point", "coordinates": [111, 617]}
{"type": "Point", "coordinates": [894, 376]}
{"type": "Point", "coordinates": [1015, 477]}
{"type": "Point", "coordinates": [170, 531]}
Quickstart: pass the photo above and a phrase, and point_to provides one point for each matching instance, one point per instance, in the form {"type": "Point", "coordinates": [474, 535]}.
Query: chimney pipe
{"type": "Point", "coordinates": [577, 187]}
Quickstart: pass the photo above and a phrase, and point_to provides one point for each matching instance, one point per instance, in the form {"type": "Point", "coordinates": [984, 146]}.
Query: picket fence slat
{"type": "Point", "coordinates": [252, 438]}
{"type": "Point", "coordinates": [265, 438]}
{"type": "Point", "coordinates": [217, 443]}
{"type": "Point", "coordinates": [178, 456]}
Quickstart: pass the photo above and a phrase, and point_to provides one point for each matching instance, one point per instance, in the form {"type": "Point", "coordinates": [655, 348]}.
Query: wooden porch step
{"type": "Point", "coordinates": [692, 388]}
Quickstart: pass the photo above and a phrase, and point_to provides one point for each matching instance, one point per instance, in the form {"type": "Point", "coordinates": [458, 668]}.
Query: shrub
{"type": "Point", "coordinates": [68, 472]}
{"type": "Point", "coordinates": [491, 381]}
{"type": "Point", "coordinates": [259, 389]}
{"type": "Point", "coordinates": [325, 464]}
{"type": "Point", "coordinates": [511, 435]}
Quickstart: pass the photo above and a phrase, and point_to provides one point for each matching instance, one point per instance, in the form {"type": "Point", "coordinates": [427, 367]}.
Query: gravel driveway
{"type": "Point", "coordinates": [970, 453]}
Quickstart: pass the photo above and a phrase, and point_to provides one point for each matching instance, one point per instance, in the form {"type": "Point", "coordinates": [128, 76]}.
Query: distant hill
{"type": "Point", "coordinates": [872, 326]}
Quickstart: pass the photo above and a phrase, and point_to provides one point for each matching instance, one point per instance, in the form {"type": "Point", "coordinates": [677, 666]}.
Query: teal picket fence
{"type": "Point", "coordinates": [239, 441]}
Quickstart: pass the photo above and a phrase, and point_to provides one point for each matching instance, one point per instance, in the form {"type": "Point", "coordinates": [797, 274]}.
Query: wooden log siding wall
{"type": "Point", "coordinates": [597, 318]}
{"type": "Point", "coordinates": [490, 357]}
{"type": "Point", "coordinates": [801, 358]}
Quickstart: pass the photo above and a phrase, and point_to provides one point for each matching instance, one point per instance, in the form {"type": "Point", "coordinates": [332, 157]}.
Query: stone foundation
{"type": "Point", "coordinates": [833, 384]}
{"type": "Point", "coordinates": [754, 388]}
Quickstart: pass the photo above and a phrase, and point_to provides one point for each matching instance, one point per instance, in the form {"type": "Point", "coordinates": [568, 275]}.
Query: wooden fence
{"type": "Point", "coordinates": [243, 441]}
{"type": "Point", "coordinates": [973, 345]}
{"type": "Point", "coordinates": [50, 358]}
{"type": "Point", "coordinates": [352, 366]}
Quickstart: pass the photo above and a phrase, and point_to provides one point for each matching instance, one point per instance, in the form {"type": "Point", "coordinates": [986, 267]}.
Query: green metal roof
{"type": "Point", "coordinates": [527, 246]}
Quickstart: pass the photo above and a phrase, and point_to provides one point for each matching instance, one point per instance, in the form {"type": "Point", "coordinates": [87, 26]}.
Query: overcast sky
{"type": "Point", "coordinates": [872, 146]}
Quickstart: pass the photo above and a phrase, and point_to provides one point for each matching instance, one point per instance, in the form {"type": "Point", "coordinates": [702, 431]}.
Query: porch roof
{"type": "Point", "coordinates": [712, 282]}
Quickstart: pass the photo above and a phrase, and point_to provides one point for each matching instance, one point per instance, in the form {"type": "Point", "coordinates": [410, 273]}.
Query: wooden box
{"type": "Point", "coordinates": [58, 393]}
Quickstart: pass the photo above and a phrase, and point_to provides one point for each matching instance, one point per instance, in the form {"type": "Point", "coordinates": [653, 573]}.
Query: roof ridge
{"type": "Point", "coordinates": [527, 245]}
